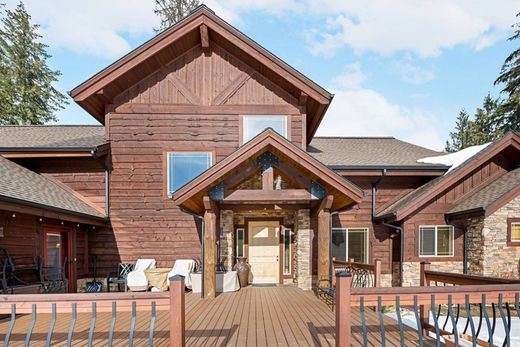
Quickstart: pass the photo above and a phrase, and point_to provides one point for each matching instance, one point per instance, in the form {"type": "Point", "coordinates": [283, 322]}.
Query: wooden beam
{"type": "Point", "coordinates": [268, 196]}
{"type": "Point", "coordinates": [192, 97]}
{"type": "Point", "coordinates": [302, 101]}
{"type": "Point", "coordinates": [268, 179]}
{"type": "Point", "coordinates": [204, 37]}
{"type": "Point", "coordinates": [295, 175]}
{"type": "Point", "coordinates": [205, 110]}
{"type": "Point", "coordinates": [231, 89]}
{"type": "Point", "coordinates": [324, 237]}
{"type": "Point", "coordinates": [210, 249]}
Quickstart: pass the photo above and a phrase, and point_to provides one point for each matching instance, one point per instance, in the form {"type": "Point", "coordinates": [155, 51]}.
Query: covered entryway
{"type": "Point", "coordinates": [271, 202]}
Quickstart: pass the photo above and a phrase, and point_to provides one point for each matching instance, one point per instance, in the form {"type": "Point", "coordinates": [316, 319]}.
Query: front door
{"type": "Point", "coordinates": [264, 251]}
{"type": "Point", "coordinates": [57, 255]}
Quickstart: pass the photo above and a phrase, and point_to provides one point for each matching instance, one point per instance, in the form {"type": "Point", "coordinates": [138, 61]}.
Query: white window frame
{"type": "Point", "coordinates": [367, 239]}
{"type": "Point", "coordinates": [243, 230]}
{"type": "Point", "coordinates": [514, 224]}
{"type": "Point", "coordinates": [244, 124]}
{"type": "Point", "coordinates": [168, 181]}
{"type": "Point", "coordinates": [452, 235]}
{"type": "Point", "coordinates": [287, 230]}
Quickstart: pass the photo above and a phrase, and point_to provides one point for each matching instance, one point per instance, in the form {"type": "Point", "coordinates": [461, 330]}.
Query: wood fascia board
{"type": "Point", "coordinates": [459, 173]}
{"type": "Point", "coordinates": [268, 196]}
{"type": "Point", "coordinates": [143, 108]}
{"type": "Point", "coordinates": [504, 199]}
{"type": "Point", "coordinates": [53, 154]}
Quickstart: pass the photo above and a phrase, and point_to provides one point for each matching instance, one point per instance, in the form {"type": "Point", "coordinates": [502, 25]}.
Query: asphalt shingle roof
{"type": "Point", "coordinates": [21, 185]}
{"type": "Point", "coordinates": [369, 151]}
{"type": "Point", "coordinates": [59, 137]}
{"type": "Point", "coordinates": [484, 197]}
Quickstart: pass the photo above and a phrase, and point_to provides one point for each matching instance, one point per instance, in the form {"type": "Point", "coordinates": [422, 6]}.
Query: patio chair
{"type": "Point", "coordinates": [136, 279]}
{"type": "Point", "coordinates": [119, 277]}
{"type": "Point", "coordinates": [183, 267]}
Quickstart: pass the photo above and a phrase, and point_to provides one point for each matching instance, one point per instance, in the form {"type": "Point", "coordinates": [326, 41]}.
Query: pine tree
{"type": "Point", "coordinates": [172, 11]}
{"type": "Point", "coordinates": [510, 77]}
{"type": "Point", "coordinates": [27, 95]}
{"type": "Point", "coordinates": [461, 137]}
{"type": "Point", "coordinates": [488, 121]}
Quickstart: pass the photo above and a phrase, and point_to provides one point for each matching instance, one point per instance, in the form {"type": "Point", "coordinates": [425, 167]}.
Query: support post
{"type": "Point", "coordinates": [343, 309]}
{"type": "Point", "coordinates": [423, 311]}
{"type": "Point", "coordinates": [377, 273]}
{"type": "Point", "coordinates": [177, 312]}
{"type": "Point", "coordinates": [323, 245]}
{"type": "Point", "coordinates": [210, 248]}
{"type": "Point", "coordinates": [268, 179]}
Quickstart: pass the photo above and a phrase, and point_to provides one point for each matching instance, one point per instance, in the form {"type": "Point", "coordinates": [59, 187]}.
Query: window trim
{"type": "Point", "coordinates": [243, 245]}
{"type": "Point", "coordinates": [452, 234]}
{"type": "Point", "coordinates": [243, 125]}
{"type": "Point", "coordinates": [366, 231]}
{"type": "Point", "coordinates": [289, 231]}
{"type": "Point", "coordinates": [510, 241]}
{"type": "Point", "coordinates": [167, 161]}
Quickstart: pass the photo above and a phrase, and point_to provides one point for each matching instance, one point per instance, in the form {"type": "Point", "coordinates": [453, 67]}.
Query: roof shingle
{"type": "Point", "coordinates": [53, 137]}
{"type": "Point", "coordinates": [21, 185]}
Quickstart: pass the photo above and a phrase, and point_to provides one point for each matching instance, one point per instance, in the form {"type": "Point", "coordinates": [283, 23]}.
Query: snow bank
{"type": "Point", "coordinates": [454, 159]}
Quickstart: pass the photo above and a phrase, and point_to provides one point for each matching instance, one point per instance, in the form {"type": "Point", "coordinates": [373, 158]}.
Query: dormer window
{"type": "Point", "coordinates": [254, 125]}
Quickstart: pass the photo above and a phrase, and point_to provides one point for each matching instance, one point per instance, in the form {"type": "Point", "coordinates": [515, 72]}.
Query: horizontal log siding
{"type": "Point", "coordinates": [22, 235]}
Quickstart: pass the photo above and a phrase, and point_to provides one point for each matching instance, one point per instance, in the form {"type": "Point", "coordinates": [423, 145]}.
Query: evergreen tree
{"type": "Point", "coordinates": [172, 11]}
{"type": "Point", "coordinates": [461, 137]}
{"type": "Point", "coordinates": [510, 77]}
{"type": "Point", "coordinates": [26, 92]}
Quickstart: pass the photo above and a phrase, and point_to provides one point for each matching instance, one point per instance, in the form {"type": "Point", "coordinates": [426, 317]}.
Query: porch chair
{"type": "Point", "coordinates": [183, 267]}
{"type": "Point", "coordinates": [119, 277]}
{"type": "Point", "coordinates": [136, 279]}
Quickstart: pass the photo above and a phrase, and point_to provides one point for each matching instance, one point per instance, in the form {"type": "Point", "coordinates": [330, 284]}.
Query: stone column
{"type": "Point", "coordinates": [227, 250]}
{"type": "Point", "coordinates": [303, 249]}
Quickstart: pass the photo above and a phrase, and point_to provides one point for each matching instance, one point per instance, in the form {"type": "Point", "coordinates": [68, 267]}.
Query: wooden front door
{"type": "Point", "coordinates": [264, 251]}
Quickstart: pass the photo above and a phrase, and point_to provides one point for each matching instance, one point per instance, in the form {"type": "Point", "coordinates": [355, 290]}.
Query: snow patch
{"type": "Point", "coordinates": [454, 160]}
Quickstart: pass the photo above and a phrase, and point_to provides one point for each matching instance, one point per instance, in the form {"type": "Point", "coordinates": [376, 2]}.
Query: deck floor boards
{"type": "Point", "coordinates": [267, 316]}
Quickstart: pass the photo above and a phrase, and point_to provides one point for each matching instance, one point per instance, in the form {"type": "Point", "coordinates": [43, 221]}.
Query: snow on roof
{"type": "Point", "coordinates": [454, 159]}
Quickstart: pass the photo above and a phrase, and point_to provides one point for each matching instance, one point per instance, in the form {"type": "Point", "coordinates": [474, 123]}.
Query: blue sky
{"type": "Point", "coordinates": [402, 67]}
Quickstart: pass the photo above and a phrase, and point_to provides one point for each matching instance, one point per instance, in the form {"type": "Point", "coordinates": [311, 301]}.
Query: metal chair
{"type": "Point", "coordinates": [119, 277]}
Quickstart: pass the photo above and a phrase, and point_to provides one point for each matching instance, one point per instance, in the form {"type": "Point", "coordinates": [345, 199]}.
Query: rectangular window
{"type": "Point", "coordinates": [185, 166]}
{"type": "Point", "coordinates": [515, 231]}
{"type": "Point", "coordinates": [350, 243]}
{"type": "Point", "coordinates": [254, 125]}
{"type": "Point", "coordinates": [240, 242]}
{"type": "Point", "coordinates": [287, 240]}
{"type": "Point", "coordinates": [436, 241]}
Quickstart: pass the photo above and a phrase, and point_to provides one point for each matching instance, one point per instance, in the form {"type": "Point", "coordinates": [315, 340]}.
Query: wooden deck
{"type": "Point", "coordinates": [272, 316]}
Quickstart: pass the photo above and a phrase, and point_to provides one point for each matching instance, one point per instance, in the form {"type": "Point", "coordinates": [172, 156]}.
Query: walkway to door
{"type": "Point", "coordinates": [254, 316]}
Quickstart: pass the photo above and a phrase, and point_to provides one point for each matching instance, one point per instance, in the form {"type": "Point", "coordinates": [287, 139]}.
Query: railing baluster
{"type": "Point", "coordinates": [152, 325]}
{"type": "Point", "coordinates": [418, 320]}
{"type": "Point", "coordinates": [486, 316]}
{"type": "Point", "coordinates": [72, 324]}
{"type": "Point", "coordinates": [453, 322]}
{"type": "Point", "coordinates": [493, 309]}
{"type": "Point", "coordinates": [51, 326]}
{"type": "Point", "coordinates": [504, 320]}
{"type": "Point", "coordinates": [92, 324]}
{"type": "Point", "coordinates": [132, 326]}
{"type": "Point", "coordinates": [11, 325]}
{"type": "Point", "coordinates": [363, 320]}
{"type": "Point", "coordinates": [112, 323]}
{"type": "Point", "coordinates": [508, 310]}
{"type": "Point", "coordinates": [480, 320]}
{"type": "Point", "coordinates": [436, 323]}
{"type": "Point", "coordinates": [399, 319]}
{"type": "Point", "coordinates": [31, 326]}
{"type": "Point", "coordinates": [517, 304]}
{"type": "Point", "coordinates": [470, 322]}
{"type": "Point", "coordinates": [381, 322]}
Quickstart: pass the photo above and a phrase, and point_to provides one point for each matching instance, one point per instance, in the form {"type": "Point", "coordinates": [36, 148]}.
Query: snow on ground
{"type": "Point", "coordinates": [498, 337]}
{"type": "Point", "coordinates": [454, 159]}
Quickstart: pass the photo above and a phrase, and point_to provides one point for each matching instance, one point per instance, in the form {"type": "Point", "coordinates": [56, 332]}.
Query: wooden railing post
{"type": "Point", "coordinates": [377, 273]}
{"type": "Point", "coordinates": [343, 309]}
{"type": "Point", "coordinates": [424, 282]}
{"type": "Point", "coordinates": [333, 274]}
{"type": "Point", "coordinates": [177, 313]}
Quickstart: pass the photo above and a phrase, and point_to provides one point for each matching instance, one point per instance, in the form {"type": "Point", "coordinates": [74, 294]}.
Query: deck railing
{"type": "Point", "coordinates": [363, 275]}
{"type": "Point", "coordinates": [470, 309]}
{"type": "Point", "coordinates": [94, 303]}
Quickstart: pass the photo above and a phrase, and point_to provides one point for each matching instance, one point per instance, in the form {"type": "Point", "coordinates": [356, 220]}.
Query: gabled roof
{"type": "Point", "coordinates": [488, 198]}
{"type": "Point", "coordinates": [22, 186]}
{"type": "Point", "coordinates": [353, 152]}
{"type": "Point", "coordinates": [403, 206]}
{"type": "Point", "coordinates": [51, 137]}
{"type": "Point", "coordinates": [269, 140]}
{"type": "Point", "coordinates": [100, 89]}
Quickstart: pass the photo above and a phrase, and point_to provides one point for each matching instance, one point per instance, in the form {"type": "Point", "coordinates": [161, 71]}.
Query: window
{"type": "Point", "coordinates": [185, 166]}
{"type": "Point", "coordinates": [350, 243]}
{"type": "Point", "coordinates": [254, 125]}
{"type": "Point", "coordinates": [513, 232]}
{"type": "Point", "coordinates": [240, 237]}
{"type": "Point", "coordinates": [287, 240]}
{"type": "Point", "coordinates": [435, 241]}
